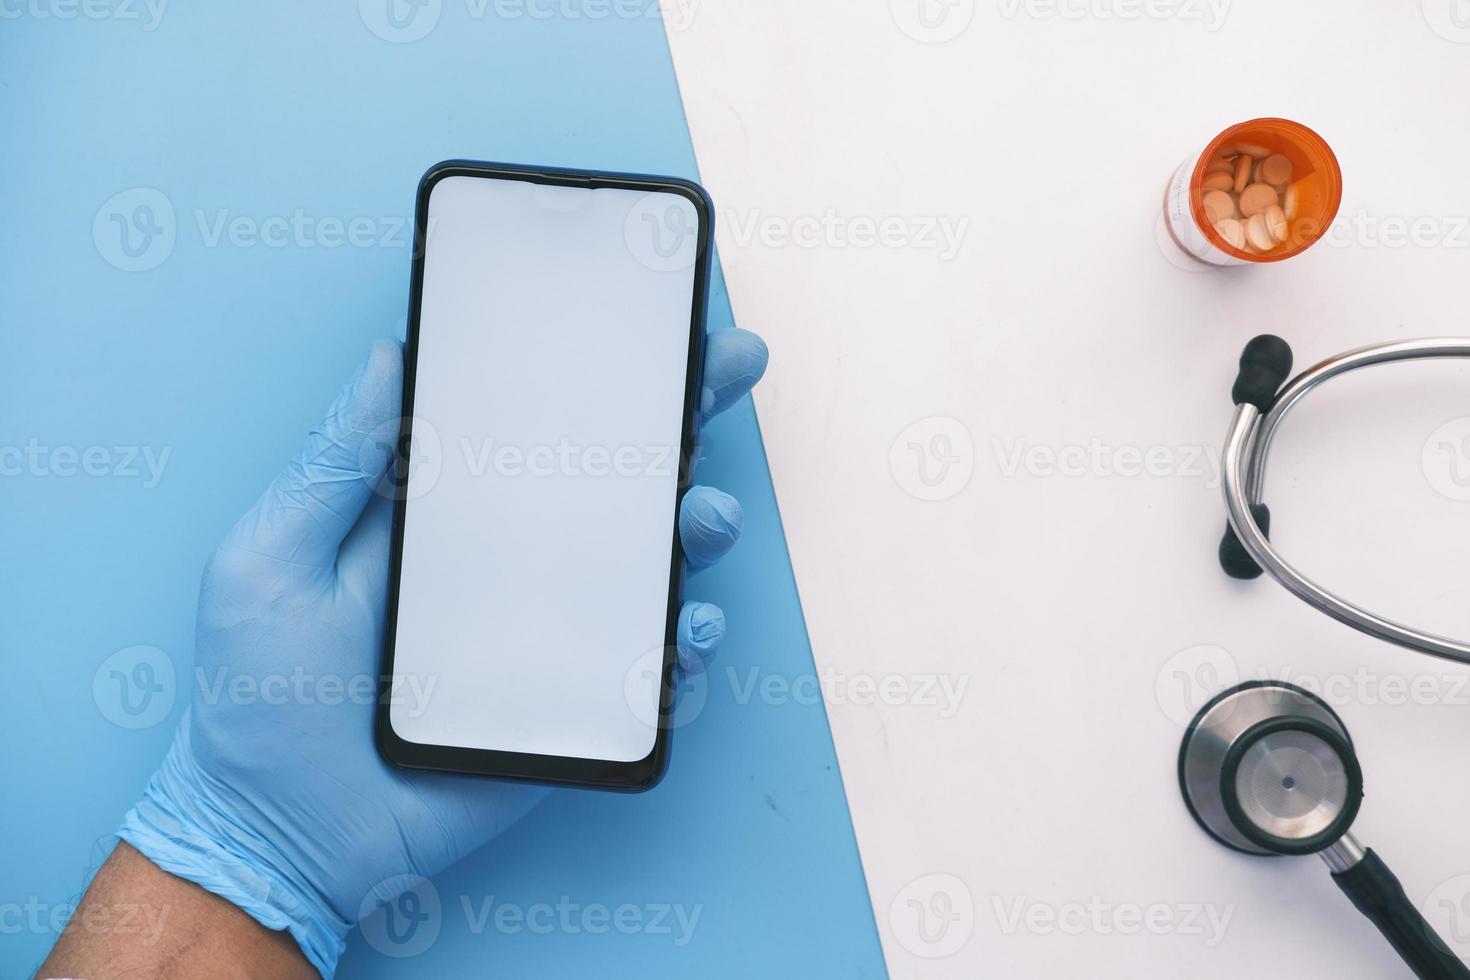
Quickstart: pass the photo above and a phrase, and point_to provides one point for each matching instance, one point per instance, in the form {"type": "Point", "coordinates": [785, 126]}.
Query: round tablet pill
{"type": "Point", "coordinates": [1220, 167]}
{"type": "Point", "coordinates": [1257, 198]}
{"type": "Point", "coordinates": [1218, 182]}
{"type": "Point", "coordinates": [1276, 222]}
{"type": "Point", "coordinates": [1292, 202]}
{"type": "Point", "coordinates": [1275, 169]}
{"type": "Point", "coordinates": [1218, 206]}
{"type": "Point", "coordinates": [1250, 150]}
{"type": "Point", "coordinates": [1232, 231]}
{"type": "Point", "coordinates": [1242, 173]}
{"type": "Point", "coordinates": [1258, 234]}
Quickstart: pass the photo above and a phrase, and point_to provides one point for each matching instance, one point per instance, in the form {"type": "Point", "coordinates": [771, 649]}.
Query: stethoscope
{"type": "Point", "coordinates": [1265, 767]}
{"type": "Point", "coordinates": [1259, 409]}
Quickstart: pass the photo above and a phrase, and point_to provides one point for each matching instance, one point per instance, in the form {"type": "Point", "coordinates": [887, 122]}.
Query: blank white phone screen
{"type": "Point", "coordinates": [553, 347]}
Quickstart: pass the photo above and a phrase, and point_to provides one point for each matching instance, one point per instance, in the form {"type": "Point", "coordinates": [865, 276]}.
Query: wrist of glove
{"type": "Point", "coordinates": [202, 834]}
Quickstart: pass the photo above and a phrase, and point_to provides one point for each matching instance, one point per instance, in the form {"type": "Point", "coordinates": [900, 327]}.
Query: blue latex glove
{"type": "Point", "coordinates": [279, 802]}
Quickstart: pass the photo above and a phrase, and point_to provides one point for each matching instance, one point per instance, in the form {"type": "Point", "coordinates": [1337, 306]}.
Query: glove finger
{"type": "Point", "coordinates": [734, 361]}
{"type": "Point", "coordinates": [709, 525]}
{"type": "Point", "coordinates": [362, 562]}
{"type": "Point", "coordinates": [310, 507]}
{"type": "Point", "coordinates": [701, 630]}
{"type": "Point", "coordinates": [453, 815]}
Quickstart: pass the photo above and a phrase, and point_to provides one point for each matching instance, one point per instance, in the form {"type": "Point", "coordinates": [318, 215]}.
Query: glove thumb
{"type": "Point", "coordinates": [309, 508]}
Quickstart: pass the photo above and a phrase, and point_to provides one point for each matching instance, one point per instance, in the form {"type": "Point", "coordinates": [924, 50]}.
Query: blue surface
{"type": "Point", "coordinates": [227, 351]}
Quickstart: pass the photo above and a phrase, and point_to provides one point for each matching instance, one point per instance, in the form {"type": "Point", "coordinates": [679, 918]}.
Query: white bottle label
{"type": "Point", "coordinates": [1185, 231]}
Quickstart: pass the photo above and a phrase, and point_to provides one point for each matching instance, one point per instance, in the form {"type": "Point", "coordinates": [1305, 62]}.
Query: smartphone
{"type": "Point", "coordinates": [552, 376]}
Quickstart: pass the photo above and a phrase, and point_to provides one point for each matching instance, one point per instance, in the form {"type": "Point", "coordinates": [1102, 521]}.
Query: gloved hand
{"type": "Point", "coordinates": [272, 795]}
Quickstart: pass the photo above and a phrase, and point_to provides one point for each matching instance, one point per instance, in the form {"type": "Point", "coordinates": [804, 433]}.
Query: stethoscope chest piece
{"type": "Point", "coordinates": [1268, 768]}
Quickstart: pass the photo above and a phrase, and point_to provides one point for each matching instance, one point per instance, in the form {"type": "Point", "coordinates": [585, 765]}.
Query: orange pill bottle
{"type": "Point", "coordinates": [1261, 191]}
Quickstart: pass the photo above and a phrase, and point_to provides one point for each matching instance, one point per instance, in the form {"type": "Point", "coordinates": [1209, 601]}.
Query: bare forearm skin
{"type": "Point", "coordinates": [136, 920]}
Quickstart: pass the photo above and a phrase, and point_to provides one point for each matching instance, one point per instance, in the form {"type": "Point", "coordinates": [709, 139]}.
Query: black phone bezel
{"type": "Point", "coordinates": [633, 776]}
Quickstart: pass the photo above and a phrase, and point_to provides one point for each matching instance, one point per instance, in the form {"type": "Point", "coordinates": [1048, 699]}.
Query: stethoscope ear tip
{"type": "Point", "coordinates": [1265, 365]}
{"type": "Point", "coordinates": [1234, 559]}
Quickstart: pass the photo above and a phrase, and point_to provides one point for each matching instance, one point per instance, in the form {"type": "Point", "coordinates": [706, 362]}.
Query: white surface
{"type": "Point", "coordinates": [1081, 602]}
{"type": "Point", "coordinates": [549, 402]}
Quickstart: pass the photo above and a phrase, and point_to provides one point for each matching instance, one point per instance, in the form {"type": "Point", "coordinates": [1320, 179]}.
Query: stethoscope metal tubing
{"type": "Point", "coordinates": [1359, 357]}
{"type": "Point", "coordinates": [1343, 854]}
{"type": "Point", "coordinates": [1243, 472]}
